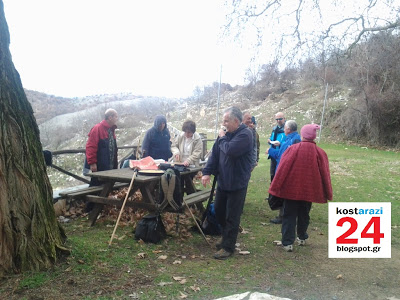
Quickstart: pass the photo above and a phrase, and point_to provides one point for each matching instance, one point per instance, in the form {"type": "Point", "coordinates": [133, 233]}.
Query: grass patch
{"type": "Point", "coordinates": [96, 271]}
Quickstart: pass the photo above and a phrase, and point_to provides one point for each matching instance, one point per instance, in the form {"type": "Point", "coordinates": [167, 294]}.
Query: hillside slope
{"type": "Point", "coordinates": [69, 130]}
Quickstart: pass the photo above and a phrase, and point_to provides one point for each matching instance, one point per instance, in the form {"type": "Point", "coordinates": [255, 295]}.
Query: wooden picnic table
{"type": "Point", "coordinates": [148, 186]}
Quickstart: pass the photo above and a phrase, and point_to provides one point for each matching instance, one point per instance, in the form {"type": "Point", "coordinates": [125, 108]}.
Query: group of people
{"type": "Point", "coordinates": [102, 151]}
{"type": "Point", "coordinates": [299, 175]}
{"type": "Point", "coordinates": [299, 169]}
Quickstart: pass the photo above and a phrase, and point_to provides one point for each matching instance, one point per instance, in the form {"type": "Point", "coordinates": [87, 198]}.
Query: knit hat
{"type": "Point", "coordinates": [309, 131]}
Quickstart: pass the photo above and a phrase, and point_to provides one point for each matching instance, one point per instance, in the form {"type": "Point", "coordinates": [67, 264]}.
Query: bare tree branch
{"type": "Point", "coordinates": [374, 29]}
{"type": "Point", "coordinates": [286, 28]}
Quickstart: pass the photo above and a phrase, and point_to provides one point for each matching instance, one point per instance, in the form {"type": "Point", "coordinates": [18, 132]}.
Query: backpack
{"type": "Point", "coordinates": [150, 229]}
{"type": "Point", "coordinates": [210, 224]}
{"type": "Point", "coordinates": [171, 189]}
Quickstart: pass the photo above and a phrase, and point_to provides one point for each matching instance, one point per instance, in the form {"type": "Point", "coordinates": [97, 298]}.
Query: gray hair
{"type": "Point", "coordinates": [109, 112]}
{"type": "Point", "coordinates": [234, 112]}
{"type": "Point", "coordinates": [292, 125]}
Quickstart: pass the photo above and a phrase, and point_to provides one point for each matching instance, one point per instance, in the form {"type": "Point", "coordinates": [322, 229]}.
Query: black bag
{"type": "Point", "coordinates": [171, 189]}
{"type": "Point", "coordinates": [210, 224]}
{"type": "Point", "coordinates": [150, 229]}
{"type": "Point", "coordinates": [181, 168]}
{"type": "Point", "coordinates": [274, 202]}
{"type": "Point", "coordinates": [164, 166]}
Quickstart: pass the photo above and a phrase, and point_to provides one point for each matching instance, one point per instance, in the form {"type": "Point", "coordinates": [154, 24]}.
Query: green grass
{"type": "Point", "coordinates": [34, 280]}
{"type": "Point", "coordinates": [358, 175]}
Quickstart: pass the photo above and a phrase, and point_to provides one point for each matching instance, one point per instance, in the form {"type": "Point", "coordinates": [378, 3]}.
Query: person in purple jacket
{"type": "Point", "coordinates": [231, 162]}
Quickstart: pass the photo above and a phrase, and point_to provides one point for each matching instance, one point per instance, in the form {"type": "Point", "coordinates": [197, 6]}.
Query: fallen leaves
{"type": "Point", "coordinates": [163, 283]}
{"type": "Point", "coordinates": [181, 280]}
{"type": "Point", "coordinates": [195, 288]}
{"type": "Point", "coordinates": [177, 262]}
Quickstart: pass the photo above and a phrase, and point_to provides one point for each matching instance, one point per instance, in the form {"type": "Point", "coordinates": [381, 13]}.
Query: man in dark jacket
{"type": "Point", "coordinates": [156, 142]}
{"type": "Point", "coordinates": [231, 161]}
{"type": "Point", "coordinates": [248, 123]}
{"type": "Point", "coordinates": [101, 147]}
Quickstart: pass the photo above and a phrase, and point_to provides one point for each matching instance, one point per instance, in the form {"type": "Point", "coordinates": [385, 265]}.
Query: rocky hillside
{"type": "Point", "coordinates": [69, 130]}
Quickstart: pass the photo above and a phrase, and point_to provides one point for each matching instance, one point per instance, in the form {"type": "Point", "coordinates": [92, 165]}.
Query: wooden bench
{"type": "Point", "coordinates": [198, 197]}
{"type": "Point", "coordinates": [90, 190]}
{"type": "Point", "coordinates": [191, 199]}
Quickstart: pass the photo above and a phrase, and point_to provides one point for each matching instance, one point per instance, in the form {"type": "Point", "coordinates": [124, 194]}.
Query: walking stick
{"type": "Point", "coordinates": [197, 224]}
{"type": "Point", "coordinates": [123, 205]}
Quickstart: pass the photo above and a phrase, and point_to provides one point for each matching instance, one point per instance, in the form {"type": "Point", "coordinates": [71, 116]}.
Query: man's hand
{"type": "Point", "coordinates": [266, 152]}
{"type": "Point", "coordinates": [177, 158]}
{"type": "Point", "coordinates": [221, 133]}
{"type": "Point", "coordinates": [186, 163]}
{"type": "Point", "coordinates": [205, 180]}
{"type": "Point", "coordinates": [93, 167]}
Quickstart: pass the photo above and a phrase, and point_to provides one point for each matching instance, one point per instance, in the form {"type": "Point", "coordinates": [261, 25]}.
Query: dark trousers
{"type": "Point", "coordinates": [228, 209]}
{"type": "Point", "coordinates": [295, 212]}
{"type": "Point", "coordinates": [272, 168]}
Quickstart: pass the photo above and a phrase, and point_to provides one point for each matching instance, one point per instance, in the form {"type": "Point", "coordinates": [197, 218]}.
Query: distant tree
{"type": "Point", "coordinates": [197, 93]}
{"type": "Point", "coordinates": [30, 237]}
{"type": "Point", "coordinates": [374, 73]}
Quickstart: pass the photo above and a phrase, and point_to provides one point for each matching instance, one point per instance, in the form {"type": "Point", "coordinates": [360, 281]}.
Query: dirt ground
{"type": "Point", "coordinates": [306, 273]}
{"type": "Point", "coordinates": [315, 278]}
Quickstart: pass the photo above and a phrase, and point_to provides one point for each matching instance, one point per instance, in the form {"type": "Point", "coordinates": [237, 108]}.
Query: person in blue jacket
{"type": "Point", "coordinates": [231, 161]}
{"type": "Point", "coordinates": [291, 137]}
{"type": "Point", "coordinates": [156, 142]}
{"type": "Point", "coordinates": [276, 139]}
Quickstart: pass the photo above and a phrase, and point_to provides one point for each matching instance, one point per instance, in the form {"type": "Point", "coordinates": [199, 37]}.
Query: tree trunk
{"type": "Point", "coordinates": [30, 236]}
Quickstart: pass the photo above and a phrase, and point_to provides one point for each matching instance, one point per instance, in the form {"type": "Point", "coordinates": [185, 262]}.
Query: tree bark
{"type": "Point", "coordinates": [30, 236]}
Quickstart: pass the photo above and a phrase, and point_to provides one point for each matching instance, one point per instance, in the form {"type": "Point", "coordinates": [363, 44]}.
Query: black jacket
{"type": "Point", "coordinates": [231, 159]}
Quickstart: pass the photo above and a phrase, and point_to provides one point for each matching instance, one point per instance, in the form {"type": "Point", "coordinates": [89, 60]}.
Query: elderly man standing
{"type": "Point", "coordinates": [254, 125]}
{"type": "Point", "coordinates": [247, 121]}
{"type": "Point", "coordinates": [276, 139]}
{"type": "Point", "coordinates": [291, 137]}
{"type": "Point", "coordinates": [101, 147]}
{"type": "Point", "coordinates": [302, 178]}
{"type": "Point", "coordinates": [231, 161]}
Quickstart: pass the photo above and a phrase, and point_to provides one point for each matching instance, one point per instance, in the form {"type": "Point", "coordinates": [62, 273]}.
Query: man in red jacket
{"type": "Point", "coordinates": [101, 147]}
{"type": "Point", "coordinates": [302, 178]}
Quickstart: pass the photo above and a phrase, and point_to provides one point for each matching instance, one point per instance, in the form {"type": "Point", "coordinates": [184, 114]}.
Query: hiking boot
{"type": "Point", "coordinates": [277, 220]}
{"type": "Point", "coordinates": [300, 242]}
{"type": "Point", "coordinates": [222, 254]}
{"type": "Point", "coordinates": [288, 248]}
{"type": "Point", "coordinates": [218, 245]}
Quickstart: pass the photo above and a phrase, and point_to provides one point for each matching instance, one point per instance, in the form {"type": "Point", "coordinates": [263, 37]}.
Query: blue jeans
{"type": "Point", "coordinates": [228, 210]}
{"type": "Point", "coordinates": [295, 211]}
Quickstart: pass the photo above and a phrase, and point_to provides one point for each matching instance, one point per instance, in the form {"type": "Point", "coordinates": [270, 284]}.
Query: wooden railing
{"type": "Point", "coordinates": [134, 150]}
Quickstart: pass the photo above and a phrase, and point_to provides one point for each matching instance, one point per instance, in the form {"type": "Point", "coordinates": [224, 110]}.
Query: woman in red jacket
{"type": "Point", "coordinates": [302, 178]}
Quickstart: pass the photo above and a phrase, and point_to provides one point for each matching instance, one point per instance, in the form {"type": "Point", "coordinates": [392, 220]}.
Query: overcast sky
{"type": "Point", "coordinates": [74, 48]}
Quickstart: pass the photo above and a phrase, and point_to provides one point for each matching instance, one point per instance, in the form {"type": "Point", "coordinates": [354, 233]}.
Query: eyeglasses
{"type": "Point", "coordinates": [279, 119]}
